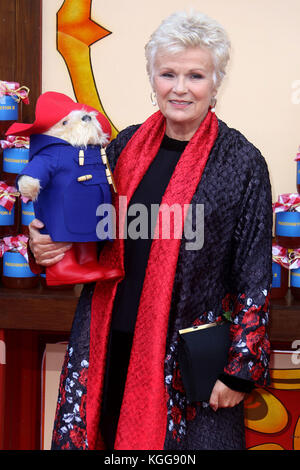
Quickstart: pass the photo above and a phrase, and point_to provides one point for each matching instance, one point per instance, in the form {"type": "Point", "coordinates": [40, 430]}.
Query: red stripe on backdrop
{"type": "Point", "coordinates": [24, 351]}
{"type": "Point", "coordinates": [22, 391]}
{"type": "Point", "coordinates": [2, 386]}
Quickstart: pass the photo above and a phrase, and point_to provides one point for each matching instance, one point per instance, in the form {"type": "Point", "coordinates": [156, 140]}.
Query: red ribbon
{"type": "Point", "coordinates": [280, 255]}
{"type": "Point", "coordinates": [17, 243]}
{"type": "Point", "coordinates": [288, 258]}
{"type": "Point", "coordinates": [15, 141]}
{"type": "Point", "coordinates": [14, 90]}
{"type": "Point", "coordinates": [8, 195]}
{"type": "Point", "coordinates": [294, 257]}
{"type": "Point", "coordinates": [287, 202]}
{"type": "Point", "coordinates": [298, 155]}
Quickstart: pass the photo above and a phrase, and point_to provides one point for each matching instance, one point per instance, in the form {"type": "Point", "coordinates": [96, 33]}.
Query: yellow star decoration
{"type": "Point", "coordinates": [76, 32]}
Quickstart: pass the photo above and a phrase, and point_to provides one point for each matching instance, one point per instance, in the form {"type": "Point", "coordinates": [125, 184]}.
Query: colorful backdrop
{"type": "Point", "coordinates": [94, 50]}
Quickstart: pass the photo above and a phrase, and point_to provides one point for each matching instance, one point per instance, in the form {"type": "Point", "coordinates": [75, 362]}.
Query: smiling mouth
{"type": "Point", "coordinates": [180, 103]}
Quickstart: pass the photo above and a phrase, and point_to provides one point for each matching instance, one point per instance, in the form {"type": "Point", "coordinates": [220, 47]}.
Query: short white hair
{"type": "Point", "coordinates": [190, 29]}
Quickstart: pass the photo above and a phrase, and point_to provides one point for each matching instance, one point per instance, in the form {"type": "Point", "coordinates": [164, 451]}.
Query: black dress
{"type": "Point", "coordinates": [136, 253]}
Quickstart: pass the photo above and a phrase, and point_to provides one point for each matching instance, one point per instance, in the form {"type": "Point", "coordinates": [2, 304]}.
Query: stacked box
{"type": "Point", "coordinates": [287, 236]}
{"type": "Point", "coordinates": [15, 212]}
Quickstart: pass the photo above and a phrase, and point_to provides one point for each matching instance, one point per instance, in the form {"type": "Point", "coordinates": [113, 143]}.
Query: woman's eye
{"type": "Point", "coordinates": [196, 76]}
{"type": "Point", "coordinates": [167, 75]}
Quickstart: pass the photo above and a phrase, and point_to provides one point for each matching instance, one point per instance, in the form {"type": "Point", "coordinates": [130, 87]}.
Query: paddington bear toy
{"type": "Point", "coordinates": [68, 177]}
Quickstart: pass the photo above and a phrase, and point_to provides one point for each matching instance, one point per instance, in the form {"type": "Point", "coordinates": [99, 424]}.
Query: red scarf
{"type": "Point", "coordinates": [143, 416]}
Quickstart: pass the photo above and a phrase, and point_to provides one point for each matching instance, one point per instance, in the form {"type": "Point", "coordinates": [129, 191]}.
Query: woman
{"type": "Point", "coordinates": [128, 331]}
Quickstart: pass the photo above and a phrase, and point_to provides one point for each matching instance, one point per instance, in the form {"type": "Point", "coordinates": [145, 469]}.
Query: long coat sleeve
{"type": "Point", "coordinates": [251, 271]}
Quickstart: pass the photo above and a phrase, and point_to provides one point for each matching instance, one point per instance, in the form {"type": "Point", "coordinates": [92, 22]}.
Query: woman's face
{"type": "Point", "coordinates": [184, 86]}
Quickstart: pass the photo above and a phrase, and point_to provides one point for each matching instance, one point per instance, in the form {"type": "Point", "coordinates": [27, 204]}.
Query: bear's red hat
{"type": "Point", "coordinates": [50, 108]}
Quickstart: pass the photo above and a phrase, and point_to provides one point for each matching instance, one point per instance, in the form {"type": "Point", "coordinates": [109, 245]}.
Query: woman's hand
{"type": "Point", "coordinates": [224, 397]}
{"type": "Point", "coordinates": [45, 251]}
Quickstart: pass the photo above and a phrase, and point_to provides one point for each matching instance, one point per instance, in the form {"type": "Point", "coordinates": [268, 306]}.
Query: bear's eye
{"type": "Point", "coordinates": [64, 123]}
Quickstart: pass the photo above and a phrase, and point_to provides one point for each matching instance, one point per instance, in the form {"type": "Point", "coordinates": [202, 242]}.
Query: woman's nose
{"type": "Point", "coordinates": [86, 118]}
{"type": "Point", "coordinates": [180, 85]}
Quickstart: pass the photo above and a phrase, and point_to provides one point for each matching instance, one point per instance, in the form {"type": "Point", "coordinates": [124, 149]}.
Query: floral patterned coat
{"type": "Point", "coordinates": [231, 273]}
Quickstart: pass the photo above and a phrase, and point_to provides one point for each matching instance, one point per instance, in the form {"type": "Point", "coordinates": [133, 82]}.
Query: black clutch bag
{"type": "Point", "coordinates": [202, 355]}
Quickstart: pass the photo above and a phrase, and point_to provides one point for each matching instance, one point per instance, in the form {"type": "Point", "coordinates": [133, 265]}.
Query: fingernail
{"type": "Point", "coordinates": [39, 223]}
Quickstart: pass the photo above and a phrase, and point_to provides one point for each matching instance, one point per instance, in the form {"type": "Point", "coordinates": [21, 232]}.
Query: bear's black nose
{"type": "Point", "coordinates": [86, 117]}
